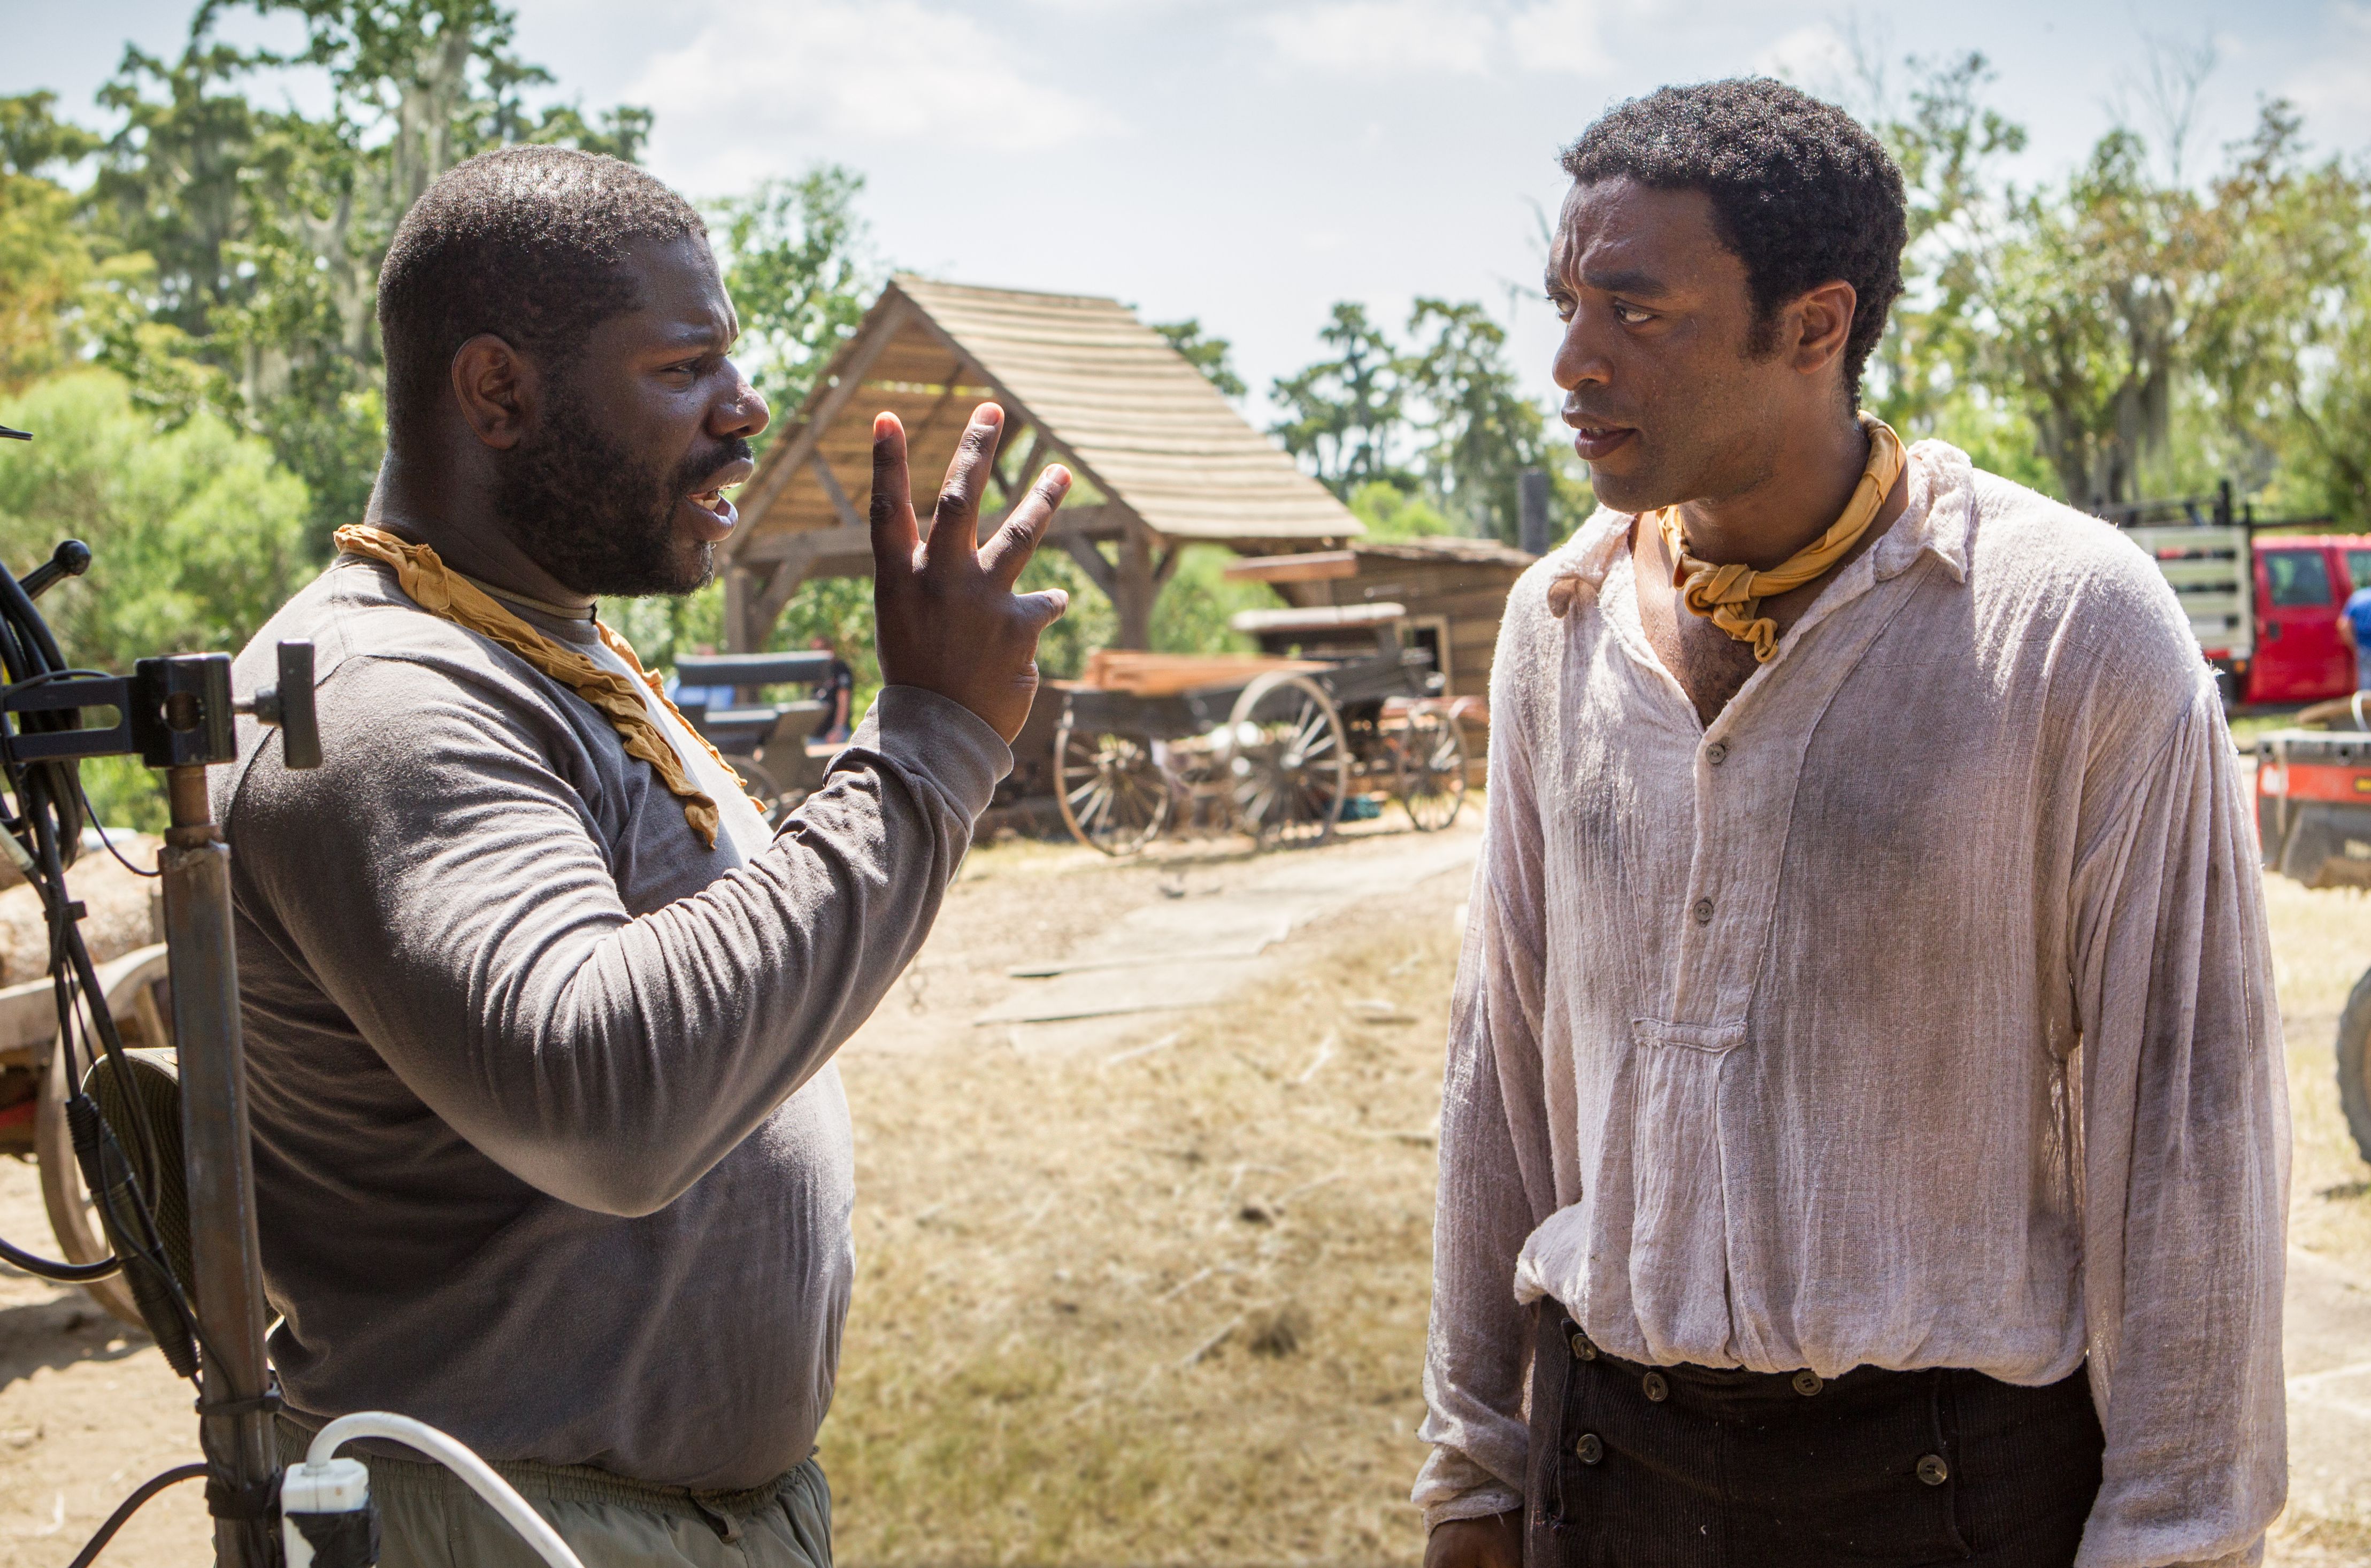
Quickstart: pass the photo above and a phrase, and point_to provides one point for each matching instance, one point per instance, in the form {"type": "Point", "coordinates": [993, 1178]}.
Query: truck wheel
{"type": "Point", "coordinates": [2353, 1045]}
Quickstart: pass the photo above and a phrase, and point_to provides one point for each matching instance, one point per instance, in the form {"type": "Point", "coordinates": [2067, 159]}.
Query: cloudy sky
{"type": "Point", "coordinates": [1251, 161]}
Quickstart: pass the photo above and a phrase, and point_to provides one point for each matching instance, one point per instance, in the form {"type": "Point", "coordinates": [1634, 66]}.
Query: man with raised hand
{"type": "Point", "coordinates": [550, 1150]}
{"type": "Point", "coordinates": [1864, 1136]}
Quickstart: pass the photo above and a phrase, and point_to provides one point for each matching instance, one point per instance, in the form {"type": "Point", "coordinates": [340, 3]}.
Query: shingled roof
{"type": "Point", "coordinates": [1097, 389]}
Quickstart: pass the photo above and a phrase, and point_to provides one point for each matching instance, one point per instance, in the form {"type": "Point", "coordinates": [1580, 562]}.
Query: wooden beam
{"type": "Point", "coordinates": [776, 596]}
{"type": "Point", "coordinates": [741, 585]}
{"type": "Point", "coordinates": [1094, 563]}
{"type": "Point", "coordinates": [791, 452]}
{"type": "Point", "coordinates": [1167, 568]}
{"type": "Point", "coordinates": [1320, 565]}
{"type": "Point", "coordinates": [1134, 592]}
{"type": "Point", "coordinates": [840, 502]}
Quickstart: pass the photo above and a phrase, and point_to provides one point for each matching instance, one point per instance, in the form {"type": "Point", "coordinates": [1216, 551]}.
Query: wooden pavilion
{"type": "Point", "coordinates": [1163, 459]}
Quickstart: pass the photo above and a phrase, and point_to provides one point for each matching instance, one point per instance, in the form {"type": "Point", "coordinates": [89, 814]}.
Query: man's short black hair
{"type": "Point", "coordinates": [522, 242]}
{"type": "Point", "coordinates": [1800, 190]}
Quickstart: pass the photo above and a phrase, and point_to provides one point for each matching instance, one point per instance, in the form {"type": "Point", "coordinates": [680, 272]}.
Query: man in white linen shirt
{"type": "Point", "coordinates": [1864, 1128]}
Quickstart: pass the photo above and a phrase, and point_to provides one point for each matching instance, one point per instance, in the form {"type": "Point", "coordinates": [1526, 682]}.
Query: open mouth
{"type": "Point", "coordinates": [713, 501]}
{"type": "Point", "coordinates": [1593, 442]}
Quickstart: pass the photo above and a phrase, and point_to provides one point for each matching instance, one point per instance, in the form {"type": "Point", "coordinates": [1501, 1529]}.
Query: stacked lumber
{"type": "Point", "coordinates": [1166, 675]}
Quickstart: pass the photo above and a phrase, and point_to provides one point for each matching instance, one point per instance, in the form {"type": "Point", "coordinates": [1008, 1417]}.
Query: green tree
{"type": "Point", "coordinates": [1480, 432]}
{"type": "Point", "coordinates": [1950, 145]}
{"type": "Point", "coordinates": [45, 260]}
{"type": "Point", "coordinates": [263, 229]}
{"type": "Point", "coordinates": [1205, 354]}
{"type": "Point", "coordinates": [196, 534]}
{"type": "Point", "coordinates": [1345, 415]}
{"type": "Point", "coordinates": [798, 263]}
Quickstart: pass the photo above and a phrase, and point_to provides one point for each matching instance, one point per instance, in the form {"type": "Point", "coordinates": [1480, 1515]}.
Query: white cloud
{"type": "Point", "coordinates": [1560, 35]}
{"type": "Point", "coordinates": [880, 71]}
{"type": "Point", "coordinates": [1371, 37]}
{"type": "Point", "coordinates": [2334, 90]}
{"type": "Point", "coordinates": [1817, 58]}
{"type": "Point", "coordinates": [1390, 38]}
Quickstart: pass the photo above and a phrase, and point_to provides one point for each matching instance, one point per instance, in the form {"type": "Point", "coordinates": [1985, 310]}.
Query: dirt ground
{"type": "Point", "coordinates": [1150, 1287]}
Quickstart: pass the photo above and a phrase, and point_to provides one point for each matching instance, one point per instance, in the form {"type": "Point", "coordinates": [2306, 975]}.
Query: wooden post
{"type": "Point", "coordinates": [1136, 584]}
{"type": "Point", "coordinates": [740, 588]}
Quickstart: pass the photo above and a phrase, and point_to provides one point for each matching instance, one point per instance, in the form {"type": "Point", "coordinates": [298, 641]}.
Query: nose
{"type": "Point", "coordinates": [741, 411]}
{"type": "Point", "coordinates": [1580, 359]}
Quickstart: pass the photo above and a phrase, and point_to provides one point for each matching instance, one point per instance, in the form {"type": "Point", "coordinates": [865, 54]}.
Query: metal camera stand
{"type": "Point", "coordinates": [176, 713]}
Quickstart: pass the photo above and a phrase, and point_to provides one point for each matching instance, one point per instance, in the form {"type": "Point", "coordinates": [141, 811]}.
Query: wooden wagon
{"type": "Point", "coordinates": [33, 1098]}
{"type": "Point", "coordinates": [1275, 747]}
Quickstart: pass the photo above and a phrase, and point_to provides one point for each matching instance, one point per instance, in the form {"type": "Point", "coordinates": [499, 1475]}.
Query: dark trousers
{"type": "Point", "coordinates": [1688, 1467]}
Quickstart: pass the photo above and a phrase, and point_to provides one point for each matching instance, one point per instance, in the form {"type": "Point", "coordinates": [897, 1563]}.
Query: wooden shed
{"type": "Point", "coordinates": [1163, 459]}
{"type": "Point", "coordinates": [1453, 593]}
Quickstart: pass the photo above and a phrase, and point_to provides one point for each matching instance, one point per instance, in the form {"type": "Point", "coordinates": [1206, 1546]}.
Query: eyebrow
{"type": "Point", "coordinates": [1632, 281]}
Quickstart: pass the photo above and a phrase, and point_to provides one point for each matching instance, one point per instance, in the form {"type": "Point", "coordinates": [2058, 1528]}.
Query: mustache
{"type": "Point", "coordinates": [691, 474]}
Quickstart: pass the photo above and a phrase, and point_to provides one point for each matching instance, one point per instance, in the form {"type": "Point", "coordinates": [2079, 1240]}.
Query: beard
{"type": "Point", "coordinates": [599, 521]}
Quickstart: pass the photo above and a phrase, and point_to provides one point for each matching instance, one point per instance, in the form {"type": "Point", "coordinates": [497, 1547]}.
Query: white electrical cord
{"type": "Point", "coordinates": [456, 1456]}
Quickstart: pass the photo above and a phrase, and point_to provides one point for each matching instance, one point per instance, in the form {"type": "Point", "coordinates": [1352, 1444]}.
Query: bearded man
{"type": "Point", "coordinates": [1863, 1125]}
{"type": "Point", "coordinates": [550, 1151]}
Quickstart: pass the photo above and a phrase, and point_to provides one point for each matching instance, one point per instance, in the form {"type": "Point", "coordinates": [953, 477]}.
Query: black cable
{"type": "Point", "coordinates": [51, 805]}
{"type": "Point", "coordinates": [90, 814]}
{"type": "Point", "coordinates": [131, 1505]}
{"type": "Point", "coordinates": [64, 1274]}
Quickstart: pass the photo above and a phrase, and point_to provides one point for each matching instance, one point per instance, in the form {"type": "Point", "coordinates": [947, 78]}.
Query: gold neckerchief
{"type": "Point", "coordinates": [1731, 596]}
{"type": "Point", "coordinates": [441, 591]}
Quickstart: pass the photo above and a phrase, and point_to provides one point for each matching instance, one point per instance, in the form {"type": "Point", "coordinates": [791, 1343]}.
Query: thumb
{"type": "Point", "coordinates": [1042, 609]}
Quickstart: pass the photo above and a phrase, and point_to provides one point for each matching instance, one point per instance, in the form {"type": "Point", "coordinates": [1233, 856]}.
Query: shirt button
{"type": "Point", "coordinates": [1716, 753]}
{"type": "Point", "coordinates": [1704, 911]}
{"type": "Point", "coordinates": [1590, 1449]}
{"type": "Point", "coordinates": [1582, 1349]}
{"type": "Point", "coordinates": [1933, 1470]}
{"type": "Point", "coordinates": [1807, 1383]}
{"type": "Point", "coordinates": [1659, 1391]}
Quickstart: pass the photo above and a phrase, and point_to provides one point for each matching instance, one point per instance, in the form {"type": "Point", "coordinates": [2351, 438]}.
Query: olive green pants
{"type": "Point", "coordinates": [429, 1518]}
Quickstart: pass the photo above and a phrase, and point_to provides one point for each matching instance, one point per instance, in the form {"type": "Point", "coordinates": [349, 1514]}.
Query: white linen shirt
{"type": "Point", "coordinates": [1917, 1012]}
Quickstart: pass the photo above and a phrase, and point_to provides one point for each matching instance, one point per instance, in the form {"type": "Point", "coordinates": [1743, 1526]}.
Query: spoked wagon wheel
{"type": "Point", "coordinates": [1432, 770]}
{"type": "Point", "coordinates": [1288, 760]}
{"type": "Point", "coordinates": [1112, 789]}
{"type": "Point", "coordinates": [74, 1217]}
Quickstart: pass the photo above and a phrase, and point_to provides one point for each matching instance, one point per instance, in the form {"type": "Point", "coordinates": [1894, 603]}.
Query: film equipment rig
{"type": "Point", "coordinates": [163, 1146]}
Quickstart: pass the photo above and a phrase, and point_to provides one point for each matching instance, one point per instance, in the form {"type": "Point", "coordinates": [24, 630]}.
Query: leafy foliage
{"type": "Point", "coordinates": [196, 534]}
{"type": "Point", "coordinates": [2149, 334]}
{"type": "Point", "coordinates": [236, 247]}
{"type": "Point", "coordinates": [1442, 416]}
{"type": "Point", "coordinates": [1205, 354]}
{"type": "Point", "coordinates": [798, 266]}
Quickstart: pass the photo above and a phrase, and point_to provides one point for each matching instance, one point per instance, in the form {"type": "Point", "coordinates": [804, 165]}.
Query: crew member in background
{"type": "Point", "coordinates": [1864, 1125]}
{"type": "Point", "coordinates": [836, 693]}
{"type": "Point", "coordinates": [2355, 630]}
{"type": "Point", "coordinates": [549, 1151]}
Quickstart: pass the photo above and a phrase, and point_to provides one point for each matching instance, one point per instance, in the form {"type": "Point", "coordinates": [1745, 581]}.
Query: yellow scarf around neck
{"type": "Point", "coordinates": [1731, 596]}
{"type": "Point", "coordinates": [441, 591]}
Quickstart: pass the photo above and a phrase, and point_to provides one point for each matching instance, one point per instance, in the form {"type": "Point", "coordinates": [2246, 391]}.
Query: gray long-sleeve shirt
{"type": "Point", "coordinates": [548, 1149]}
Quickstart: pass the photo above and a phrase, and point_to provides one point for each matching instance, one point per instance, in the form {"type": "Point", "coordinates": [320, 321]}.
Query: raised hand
{"type": "Point", "coordinates": [947, 619]}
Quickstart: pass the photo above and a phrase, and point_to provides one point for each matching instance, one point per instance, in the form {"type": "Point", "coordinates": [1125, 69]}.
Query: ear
{"type": "Point", "coordinates": [498, 390]}
{"type": "Point", "coordinates": [1823, 319]}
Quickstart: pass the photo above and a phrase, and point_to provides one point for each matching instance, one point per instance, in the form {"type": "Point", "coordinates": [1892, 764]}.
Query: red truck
{"type": "Point", "coordinates": [2302, 581]}
{"type": "Point", "coordinates": [2263, 605]}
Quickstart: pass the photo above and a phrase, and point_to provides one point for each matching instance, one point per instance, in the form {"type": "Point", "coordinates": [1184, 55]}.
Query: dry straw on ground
{"type": "Point", "coordinates": [1159, 1303]}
